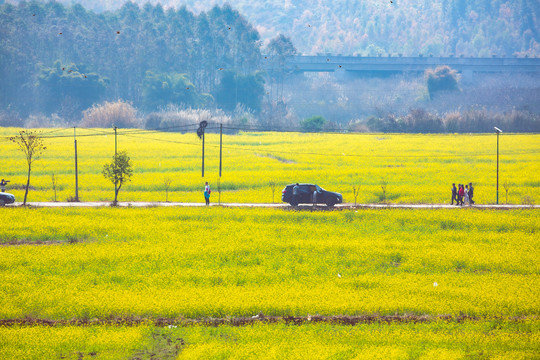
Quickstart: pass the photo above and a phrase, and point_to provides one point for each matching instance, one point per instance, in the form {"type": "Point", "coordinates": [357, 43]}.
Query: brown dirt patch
{"type": "Point", "coordinates": [245, 321]}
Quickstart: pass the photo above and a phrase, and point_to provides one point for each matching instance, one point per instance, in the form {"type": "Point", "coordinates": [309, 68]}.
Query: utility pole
{"type": "Point", "coordinates": [200, 132]}
{"type": "Point", "coordinates": [115, 164]}
{"type": "Point", "coordinates": [220, 147]}
{"type": "Point", "coordinates": [203, 154]}
{"type": "Point", "coordinates": [76, 166]}
{"type": "Point", "coordinates": [220, 158]}
{"type": "Point", "coordinates": [498, 131]}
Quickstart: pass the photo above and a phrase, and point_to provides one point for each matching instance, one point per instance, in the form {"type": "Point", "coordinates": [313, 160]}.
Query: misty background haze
{"type": "Point", "coordinates": [163, 64]}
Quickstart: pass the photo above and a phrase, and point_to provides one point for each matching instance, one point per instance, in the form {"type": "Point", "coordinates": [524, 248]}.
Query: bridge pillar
{"type": "Point", "coordinates": [467, 76]}
{"type": "Point", "coordinates": [341, 74]}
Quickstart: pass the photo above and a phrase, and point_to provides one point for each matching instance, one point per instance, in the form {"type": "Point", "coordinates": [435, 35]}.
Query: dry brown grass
{"type": "Point", "coordinates": [109, 114]}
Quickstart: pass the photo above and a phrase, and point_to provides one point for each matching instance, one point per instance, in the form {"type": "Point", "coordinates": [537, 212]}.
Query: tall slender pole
{"type": "Point", "coordinates": [76, 167]}
{"type": "Point", "coordinates": [497, 168]}
{"type": "Point", "coordinates": [115, 164]}
{"type": "Point", "coordinates": [220, 158]}
{"type": "Point", "coordinates": [220, 146]}
{"type": "Point", "coordinates": [203, 154]}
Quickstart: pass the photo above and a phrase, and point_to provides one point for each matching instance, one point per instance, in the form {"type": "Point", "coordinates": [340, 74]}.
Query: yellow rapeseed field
{"type": "Point", "coordinates": [414, 168]}
{"type": "Point", "coordinates": [218, 262]}
{"type": "Point", "coordinates": [106, 264]}
{"type": "Point", "coordinates": [73, 342]}
{"type": "Point", "coordinates": [493, 339]}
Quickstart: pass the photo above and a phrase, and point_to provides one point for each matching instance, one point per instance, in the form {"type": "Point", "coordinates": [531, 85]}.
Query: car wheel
{"type": "Point", "coordinates": [294, 203]}
{"type": "Point", "coordinates": [330, 203]}
{"type": "Point", "coordinates": [2, 202]}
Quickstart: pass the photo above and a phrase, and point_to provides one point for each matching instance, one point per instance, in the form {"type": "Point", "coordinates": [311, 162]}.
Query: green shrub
{"type": "Point", "coordinates": [313, 124]}
{"type": "Point", "coordinates": [443, 78]}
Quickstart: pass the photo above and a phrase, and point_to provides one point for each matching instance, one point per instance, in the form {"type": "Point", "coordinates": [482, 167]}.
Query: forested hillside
{"type": "Point", "coordinates": [61, 59]}
{"type": "Point", "coordinates": [370, 27]}
{"type": "Point", "coordinates": [154, 65]}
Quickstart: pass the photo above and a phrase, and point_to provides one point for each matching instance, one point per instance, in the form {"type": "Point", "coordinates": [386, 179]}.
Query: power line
{"type": "Point", "coordinates": [78, 135]}
{"type": "Point", "coordinates": [162, 140]}
{"type": "Point", "coordinates": [240, 128]}
{"type": "Point", "coordinates": [251, 149]}
{"type": "Point", "coordinates": [163, 129]}
{"type": "Point", "coordinates": [55, 131]}
{"type": "Point", "coordinates": [140, 134]}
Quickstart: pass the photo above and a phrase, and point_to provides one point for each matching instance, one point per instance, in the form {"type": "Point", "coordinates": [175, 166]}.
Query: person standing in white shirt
{"type": "Point", "coordinates": [207, 192]}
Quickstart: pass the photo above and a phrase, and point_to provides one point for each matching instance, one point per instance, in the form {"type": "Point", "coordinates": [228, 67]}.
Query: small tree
{"type": "Point", "coordinates": [383, 188]}
{"type": "Point", "coordinates": [356, 192]}
{"type": "Point", "coordinates": [506, 186]}
{"type": "Point", "coordinates": [167, 183]}
{"type": "Point", "coordinates": [118, 171]}
{"type": "Point", "coordinates": [219, 190]}
{"type": "Point", "coordinates": [54, 180]}
{"type": "Point", "coordinates": [31, 144]}
{"type": "Point", "coordinates": [272, 185]}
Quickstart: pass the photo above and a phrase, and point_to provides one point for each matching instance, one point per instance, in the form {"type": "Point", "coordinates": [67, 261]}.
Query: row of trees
{"type": "Point", "coordinates": [474, 121]}
{"type": "Point", "coordinates": [62, 59]}
{"type": "Point", "coordinates": [417, 120]}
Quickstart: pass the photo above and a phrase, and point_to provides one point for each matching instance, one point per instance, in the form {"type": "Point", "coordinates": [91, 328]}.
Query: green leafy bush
{"type": "Point", "coordinates": [313, 124]}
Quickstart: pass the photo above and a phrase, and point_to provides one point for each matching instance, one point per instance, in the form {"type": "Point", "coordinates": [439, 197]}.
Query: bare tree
{"type": "Point", "coordinates": [382, 198]}
{"type": "Point", "coordinates": [506, 186]}
{"type": "Point", "coordinates": [356, 192]}
{"type": "Point", "coordinates": [167, 183]}
{"type": "Point", "coordinates": [272, 185]}
{"type": "Point", "coordinates": [219, 190]}
{"type": "Point", "coordinates": [31, 144]}
{"type": "Point", "coordinates": [54, 180]}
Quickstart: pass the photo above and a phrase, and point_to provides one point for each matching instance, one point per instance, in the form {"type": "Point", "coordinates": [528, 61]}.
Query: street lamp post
{"type": "Point", "coordinates": [498, 131]}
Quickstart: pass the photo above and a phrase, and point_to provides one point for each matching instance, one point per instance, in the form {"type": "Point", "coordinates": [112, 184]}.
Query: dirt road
{"type": "Point", "coordinates": [277, 206]}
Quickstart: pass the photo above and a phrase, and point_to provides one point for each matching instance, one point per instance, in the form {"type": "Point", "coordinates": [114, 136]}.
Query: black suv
{"type": "Point", "coordinates": [310, 194]}
{"type": "Point", "coordinates": [6, 198]}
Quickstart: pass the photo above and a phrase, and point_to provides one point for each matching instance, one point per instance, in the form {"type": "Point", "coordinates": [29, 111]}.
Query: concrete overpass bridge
{"type": "Point", "coordinates": [343, 66]}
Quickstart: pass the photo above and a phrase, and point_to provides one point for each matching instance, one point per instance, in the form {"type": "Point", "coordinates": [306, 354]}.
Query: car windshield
{"type": "Point", "coordinates": [319, 189]}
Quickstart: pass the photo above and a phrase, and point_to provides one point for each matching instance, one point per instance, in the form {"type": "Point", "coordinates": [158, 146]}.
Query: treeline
{"type": "Point", "coordinates": [478, 28]}
{"type": "Point", "coordinates": [57, 59]}
{"type": "Point", "coordinates": [472, 121]}
{"type": "Point", "coordinates": [162, 67]}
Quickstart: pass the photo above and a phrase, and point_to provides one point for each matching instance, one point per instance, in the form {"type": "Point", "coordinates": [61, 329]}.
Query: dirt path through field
{"type": "Point", "coordinates": [259, 318]}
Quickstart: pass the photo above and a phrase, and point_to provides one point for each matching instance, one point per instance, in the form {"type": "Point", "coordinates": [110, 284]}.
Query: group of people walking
{"type": "Point", "coordinates": [462, 194]}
